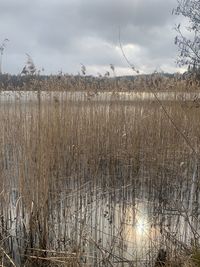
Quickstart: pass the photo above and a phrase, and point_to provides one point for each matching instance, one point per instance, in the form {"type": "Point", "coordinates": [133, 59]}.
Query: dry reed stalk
{"type": "Point", "coordinates": [65, 165]}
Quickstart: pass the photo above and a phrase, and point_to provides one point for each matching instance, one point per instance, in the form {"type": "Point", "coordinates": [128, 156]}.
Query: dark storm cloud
{"type": "Point", "coordinates": [59, 34]}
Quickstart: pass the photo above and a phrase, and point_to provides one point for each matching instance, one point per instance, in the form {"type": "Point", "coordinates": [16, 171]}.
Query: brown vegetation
{"type": "Point", "coordinates": [64, 82]}
{"type": "Point", "coordinates": [68, 166]}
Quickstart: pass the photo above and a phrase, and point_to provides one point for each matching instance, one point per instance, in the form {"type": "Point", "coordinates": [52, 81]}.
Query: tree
{"type": "Point", "coordinates": [83, 69]}
{"type": "Point", "coordinates": [29, 68]}
{"type": "Point", "coordinates": [189, 47]}
{"type": "Point", "coordinates": [2, 48]}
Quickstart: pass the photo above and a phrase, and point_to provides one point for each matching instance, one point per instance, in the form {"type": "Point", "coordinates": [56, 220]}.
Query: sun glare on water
{"type": "Point", "coordinates": [141, 226]}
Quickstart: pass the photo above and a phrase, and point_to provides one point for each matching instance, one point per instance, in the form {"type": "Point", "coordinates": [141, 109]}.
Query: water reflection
{"type": "Point", "coordinates": [133, 231]}
{"type": "Point", "coordinates": [126, 230]}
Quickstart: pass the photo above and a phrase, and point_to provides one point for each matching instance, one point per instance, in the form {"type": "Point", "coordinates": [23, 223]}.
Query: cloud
{"type": "Point", "coordinates": [60, 34]}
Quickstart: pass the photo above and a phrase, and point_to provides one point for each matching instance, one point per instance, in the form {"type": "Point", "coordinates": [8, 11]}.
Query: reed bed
{"type": "Point", "coordinates": [99, 183]}
{"type": "Point", "coordinates": [84, 83]}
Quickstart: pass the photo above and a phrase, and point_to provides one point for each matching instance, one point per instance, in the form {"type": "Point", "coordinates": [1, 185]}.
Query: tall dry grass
{"type": "Point", "coordinates": [68, 167]}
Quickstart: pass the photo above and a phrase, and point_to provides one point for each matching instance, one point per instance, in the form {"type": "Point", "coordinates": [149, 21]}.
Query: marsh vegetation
{"type": "Point", "coordinates": [100, 181]}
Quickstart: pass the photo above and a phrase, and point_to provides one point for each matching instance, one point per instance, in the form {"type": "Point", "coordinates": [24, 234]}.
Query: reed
{"type": "Point", "coordinates": [92, 182]}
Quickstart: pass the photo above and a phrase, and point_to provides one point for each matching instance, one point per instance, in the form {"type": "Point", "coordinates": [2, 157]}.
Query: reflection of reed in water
{"type": "Point", "coordinates": [161, 258]}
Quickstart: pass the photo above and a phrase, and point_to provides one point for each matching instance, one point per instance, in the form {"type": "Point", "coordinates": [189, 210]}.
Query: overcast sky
{"type": "Point", "coordinates": [61, 34]}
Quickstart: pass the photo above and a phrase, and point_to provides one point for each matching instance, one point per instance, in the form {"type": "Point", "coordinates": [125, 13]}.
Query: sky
{"type": "Point", "coordinates": [60, 35]}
